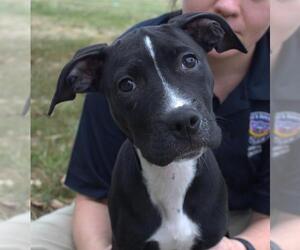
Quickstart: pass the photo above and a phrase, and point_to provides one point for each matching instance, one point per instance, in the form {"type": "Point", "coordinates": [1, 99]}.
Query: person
{"type": "Point", "coordinates": [241, 100]}
{"type": "Point", "coordinates": [285, 147]}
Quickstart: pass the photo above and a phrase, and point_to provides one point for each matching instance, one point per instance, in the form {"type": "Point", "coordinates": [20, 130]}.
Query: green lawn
{"type": "Point", "coordinates": [59, 28]}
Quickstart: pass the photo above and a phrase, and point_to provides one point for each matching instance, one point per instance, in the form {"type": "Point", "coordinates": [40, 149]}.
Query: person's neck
{"type": "Point", "coordinates": [229, 71]}
{"type": "Point", "coordinates": [274, 56]}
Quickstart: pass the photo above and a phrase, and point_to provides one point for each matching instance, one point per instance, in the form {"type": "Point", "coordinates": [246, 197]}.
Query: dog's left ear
{"type": "Point", "coordinates": [80, 75]}
{"type": "Point", "coordinates": [209, 30]}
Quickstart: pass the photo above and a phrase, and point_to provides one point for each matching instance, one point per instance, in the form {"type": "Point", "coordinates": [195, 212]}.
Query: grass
{"type": "Point", "coordinates": [59, 28]}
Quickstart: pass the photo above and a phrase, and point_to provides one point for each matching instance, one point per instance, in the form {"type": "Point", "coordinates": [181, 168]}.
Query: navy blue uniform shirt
{"type": "Point", "coordinates": [286, 126]}
{"type": "Point", "coordinates": [243, 155]}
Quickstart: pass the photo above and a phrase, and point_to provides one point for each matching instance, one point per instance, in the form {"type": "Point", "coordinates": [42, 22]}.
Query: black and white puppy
{"type": "Point", "coordinates": [167, 192]}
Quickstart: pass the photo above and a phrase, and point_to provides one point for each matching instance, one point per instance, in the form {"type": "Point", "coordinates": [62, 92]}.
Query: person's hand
{"type": "Point", "coordinates": [228, 244]}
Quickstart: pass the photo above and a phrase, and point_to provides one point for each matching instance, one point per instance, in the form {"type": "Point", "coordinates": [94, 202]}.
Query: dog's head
{"type": "Point", "coordinates": [158, 84]}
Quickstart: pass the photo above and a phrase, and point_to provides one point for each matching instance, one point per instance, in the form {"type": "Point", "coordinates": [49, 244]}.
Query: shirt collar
{"type": "Point", "coordinates": [285, 75]}
{"type": "Point", "coordinates": [257, 79]}
{"type": "Point", "coordinates": [254, 86]}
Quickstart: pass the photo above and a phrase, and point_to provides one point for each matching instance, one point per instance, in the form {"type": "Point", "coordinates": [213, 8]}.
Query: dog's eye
{"type": "Point", "coordinates": [127, 85]}
{"type": "Point", "coordinates": [189, 61]}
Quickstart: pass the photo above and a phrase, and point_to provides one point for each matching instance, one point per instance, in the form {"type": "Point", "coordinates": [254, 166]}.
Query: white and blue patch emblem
{"type": "Point", "coordinates": [286, 131]}
{"type": "Point", "coordinates": [259, 127]}
{"type": "Point", "coordinates": [259, 131]}
{"type": "Point", "coordinates": [286, 127]}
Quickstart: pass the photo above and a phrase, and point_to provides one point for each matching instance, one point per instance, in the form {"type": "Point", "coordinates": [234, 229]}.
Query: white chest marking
{"type": "Point", "coordinates": [167, 187]}
{"type": "Point", "coordinates": [173, 98]}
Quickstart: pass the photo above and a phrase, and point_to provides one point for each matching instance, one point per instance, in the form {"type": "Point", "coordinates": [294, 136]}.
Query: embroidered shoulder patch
{"type": "Point", "coordinates": [286, 127]}
{"type": "Point", "coordinates": [259, 127]}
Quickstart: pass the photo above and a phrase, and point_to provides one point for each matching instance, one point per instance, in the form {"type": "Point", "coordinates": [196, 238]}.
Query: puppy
{"type": "Point", "coordinates": [167, 191]}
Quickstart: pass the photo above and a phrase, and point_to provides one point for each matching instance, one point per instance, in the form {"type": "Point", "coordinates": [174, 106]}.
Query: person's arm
{"type": "Point", "coordinates": [91, 224]}
{"type": "Point", "coordinates": [286, 232]}
{"type": "Point", "coordinates": [257, 233]}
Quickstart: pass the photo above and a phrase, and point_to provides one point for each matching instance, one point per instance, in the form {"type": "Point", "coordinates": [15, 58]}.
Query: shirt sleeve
{"type": "Point", "coordinates": [95, 149]}
{"type": "Point", "coordinates": [285, 161]}
{"type": "Point", "coordinates": [286, 183]}
{"type": "Point", "coordinates": [260, 201]}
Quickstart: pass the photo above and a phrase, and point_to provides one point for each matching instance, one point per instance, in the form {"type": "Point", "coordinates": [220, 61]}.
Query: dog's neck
{"type": "Point", "coordinates": [167, 185]}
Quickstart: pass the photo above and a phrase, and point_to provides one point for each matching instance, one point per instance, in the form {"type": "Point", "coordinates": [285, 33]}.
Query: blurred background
{"type": "Point", "coordinates": [285, 112]}
{"type": "Point", "coordinates": [58, 30]}
{"type": "Point", "coordinates": [14, 90]}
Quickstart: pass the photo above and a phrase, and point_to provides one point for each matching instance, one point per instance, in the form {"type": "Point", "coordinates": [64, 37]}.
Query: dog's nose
{"type": "Point", "coordinates": [184, 121]}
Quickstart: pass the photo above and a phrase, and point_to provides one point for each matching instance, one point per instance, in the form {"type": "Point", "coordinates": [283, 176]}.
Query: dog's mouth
{"type": "Point", "coordinates": [163, 156]}
{"type": "Point", "coordinates": [194, 154]}
{"type": "Point", "coordinates": [165, 160]}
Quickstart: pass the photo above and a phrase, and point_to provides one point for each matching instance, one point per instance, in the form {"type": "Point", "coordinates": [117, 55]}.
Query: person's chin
{"type": "Point", "coordinates": [224, 55]}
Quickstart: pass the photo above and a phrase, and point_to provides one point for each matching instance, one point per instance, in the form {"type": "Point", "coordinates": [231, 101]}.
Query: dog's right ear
{"type": "Point", "coordinates": [209, 30]}
{"type": "Point", "coordinates": [80, 75]}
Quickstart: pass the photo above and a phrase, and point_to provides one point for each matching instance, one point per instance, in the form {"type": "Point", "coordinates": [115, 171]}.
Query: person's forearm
{"type": "Point", "coordinates": [91, 225]}
{"type": "Point", "coordinates": [258, 232]}
{"type": "Point", "coordinates": [286, 232]}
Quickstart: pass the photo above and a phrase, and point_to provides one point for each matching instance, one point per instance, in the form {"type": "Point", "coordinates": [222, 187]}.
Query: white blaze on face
{"type": "Point", "coordinates": [174, 100]}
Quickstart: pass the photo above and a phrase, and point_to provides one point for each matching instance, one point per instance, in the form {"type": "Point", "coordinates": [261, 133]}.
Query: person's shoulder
{"type": "Point", "coordinates": [258, 77]}
{"type": "Point", "coordinates": [263, 45]}
{"type": "Point", "coordinates": [162, 19]}
{"type": "Point", "coordinates": [285, 72]}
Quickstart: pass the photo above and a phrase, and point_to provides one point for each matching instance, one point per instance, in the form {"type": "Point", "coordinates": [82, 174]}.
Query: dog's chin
{"type": "Point", "coordinates": [192, 154]}
{"type": "Point", "coordinates": [159, 161]}
{"type": "Point", "coordinates": [168, 159]}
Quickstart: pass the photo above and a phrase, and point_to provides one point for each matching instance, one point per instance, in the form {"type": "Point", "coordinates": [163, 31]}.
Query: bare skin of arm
{"type": "Point", "coordinates": [258, 233]}
{"type": "Point", "coordinates": [91, 224]}
{"type": "Point", "coordinates": [286, 232]}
